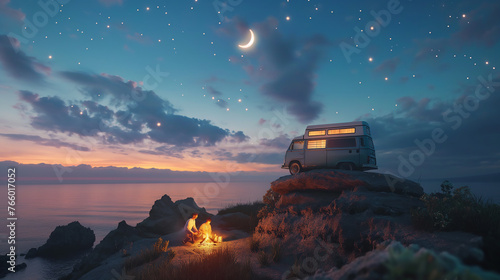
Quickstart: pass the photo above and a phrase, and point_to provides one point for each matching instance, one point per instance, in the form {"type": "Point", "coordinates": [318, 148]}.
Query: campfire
{"type": "Point", "coordinates": [207, 239]}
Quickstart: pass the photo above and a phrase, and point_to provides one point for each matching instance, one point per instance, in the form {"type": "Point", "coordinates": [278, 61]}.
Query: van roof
{"type": "Point", "coordinates": [332, 125]}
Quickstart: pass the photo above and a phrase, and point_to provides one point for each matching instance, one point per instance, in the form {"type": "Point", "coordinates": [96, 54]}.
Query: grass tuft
{"type": "Point", "coordinates": [148, 255]}
{"type": "Point", "coordinates": [254, 245]}
{"type": "Point", "coordinates": [219, 264]}
{"type": "Point", "coordinates": [276, 251]}
{"type": "Point", "coordinates": [263, 258]}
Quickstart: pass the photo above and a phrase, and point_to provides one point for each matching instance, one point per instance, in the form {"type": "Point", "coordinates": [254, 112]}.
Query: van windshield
{"type": "Point", "coordinates": [297, 145]}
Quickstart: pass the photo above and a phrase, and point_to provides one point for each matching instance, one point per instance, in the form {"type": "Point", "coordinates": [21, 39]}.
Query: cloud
{"type": "Point", "coordinates": [169, 151]}
{"type": "Point", "coordinates": [18, 65]}
{"type": "Point", "coordinates": [467, 125]}
{"type": "Point", "coordinates": [221, 103]}
{"type": "Point", "coordinates": [104, 85]}
{"type": "Point", "coordinates": [388, 66]}
{"type": "Point", "coordinates": [52, 114]}
{"type": "Point", "coordinates": [266, 158]}
{"type": "Point", "coordinates": [281, 142]}
{"type": "Point", "coordinates": [480, 27]}
{"type": "Point", "coordinates": [240, 137]}
{"type": "Point", "coordinates": [213, 91]}
{"type": "Point", "coordinates": [286, 68]}
{"type": "Point", "coordinates": [48, 174]}
{"type": "Point", "coordinates": [12, 13]}
{"type": "Point", "coordinates": [139, 38]}
{"type": "Point", "coordinates": [44, 141]}
{"type": "Point", "coordinates": [109, 3]}
{"type": "Point", "coordinates": [135, 115]}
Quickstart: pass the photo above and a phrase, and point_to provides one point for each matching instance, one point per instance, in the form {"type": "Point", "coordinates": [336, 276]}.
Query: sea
{"type": "Point", "coordinates": [40, 208]}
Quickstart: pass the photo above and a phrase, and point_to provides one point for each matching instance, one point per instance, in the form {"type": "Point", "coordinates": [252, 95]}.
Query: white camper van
{"type": "Point", "coordinates": [347, 146]}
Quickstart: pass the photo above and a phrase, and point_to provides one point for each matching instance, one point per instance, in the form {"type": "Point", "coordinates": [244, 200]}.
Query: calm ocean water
{"type": "Point", "coordinates": [40, 208]}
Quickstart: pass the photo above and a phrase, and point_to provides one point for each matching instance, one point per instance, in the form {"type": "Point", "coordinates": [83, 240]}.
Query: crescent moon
{"type": "Point", "coordinates": [249, 44]}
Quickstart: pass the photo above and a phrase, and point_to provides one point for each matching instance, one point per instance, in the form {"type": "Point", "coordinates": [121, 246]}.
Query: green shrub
{"type": "Point", "coordinates": [457, 209]}
{"type": "Point", "coordinates": [460, 210]}
{"type": "Point", "coordinates": [407, 263]}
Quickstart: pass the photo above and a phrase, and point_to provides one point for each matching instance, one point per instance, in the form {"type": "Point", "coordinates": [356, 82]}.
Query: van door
{"type": "Point", "coordinates": [342, 150]}
{"type": "Point", "coordinates": [315, 153]}
{"type": "Point", "coordinates": [295, 152]}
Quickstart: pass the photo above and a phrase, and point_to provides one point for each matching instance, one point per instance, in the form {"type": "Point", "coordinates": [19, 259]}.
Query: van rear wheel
{"type": "Point", "coordinates": [295, 168]}
{"type": "Point", "coordinates": [346, 166]}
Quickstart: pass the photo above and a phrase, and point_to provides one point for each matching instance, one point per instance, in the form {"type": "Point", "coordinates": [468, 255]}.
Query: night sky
{"type": "Point", "coordinates": [164, 84]}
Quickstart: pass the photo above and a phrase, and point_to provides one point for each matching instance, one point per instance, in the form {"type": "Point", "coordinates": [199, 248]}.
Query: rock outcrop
{"type": "Point", "coordinates": [318, 188]}
{"type": "Point", "coordinates": [188, 206]}
{"type": "Point", "coordinates": [166, 216]}
{"type": "Point", "coordinates": [64, 241]}
{"type": "Point", "coordinates": [397, 262]}
{"type": "Point", "coordinates": [113, 242]}
{"type": "Point", "coordinates": [354, 210]}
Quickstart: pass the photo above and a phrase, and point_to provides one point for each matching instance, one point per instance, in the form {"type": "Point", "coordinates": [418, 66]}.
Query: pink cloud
{"type": "Point", "coordinates": [13, 13]}
{"type": "Point", "coordinates": [139, 38]}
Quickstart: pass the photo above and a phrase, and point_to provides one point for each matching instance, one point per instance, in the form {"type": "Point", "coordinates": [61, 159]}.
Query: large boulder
{"type": "Point", "coordinates": [188, 206]}
{"type": "Point", "coordinates": [320, 187]}
{"type": "Point", "coordinates": [355, 210]}
{"type": "Point", "coordinates": [337, 181]}
{"type": "Point", "coordinates": [64, 241]}
{"type": "Point", "coordinates": [164, 218]}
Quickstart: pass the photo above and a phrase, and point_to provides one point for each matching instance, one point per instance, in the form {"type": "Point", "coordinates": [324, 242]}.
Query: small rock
{"type": "Point", "coordinates": [32, 253]}
{"type": "Point", "coordinates": [67, 240]}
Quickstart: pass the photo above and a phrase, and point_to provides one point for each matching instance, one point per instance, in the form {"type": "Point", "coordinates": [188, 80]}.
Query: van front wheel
{"type": "Point", "coordinates": [295, 168]}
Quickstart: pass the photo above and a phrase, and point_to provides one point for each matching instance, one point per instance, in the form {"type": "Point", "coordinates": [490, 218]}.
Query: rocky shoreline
{"type": "Point", "coordinates": [335, 220]}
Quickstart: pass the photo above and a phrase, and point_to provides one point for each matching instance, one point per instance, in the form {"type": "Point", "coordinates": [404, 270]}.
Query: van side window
{"type": "Point", "coordinates": [341, 131]}
{"type": "Point", "coordinates": [316, 132]}
{"type": "Point", "coordinates": [298, 145]}
{"type": "Point", "coordinates": [316, 144]}
{"type": "Point", "coordinates": [341, 143]}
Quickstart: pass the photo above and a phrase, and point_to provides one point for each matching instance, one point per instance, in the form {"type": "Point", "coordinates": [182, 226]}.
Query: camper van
{"type": "Point", "coordinates": [347, 146]}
